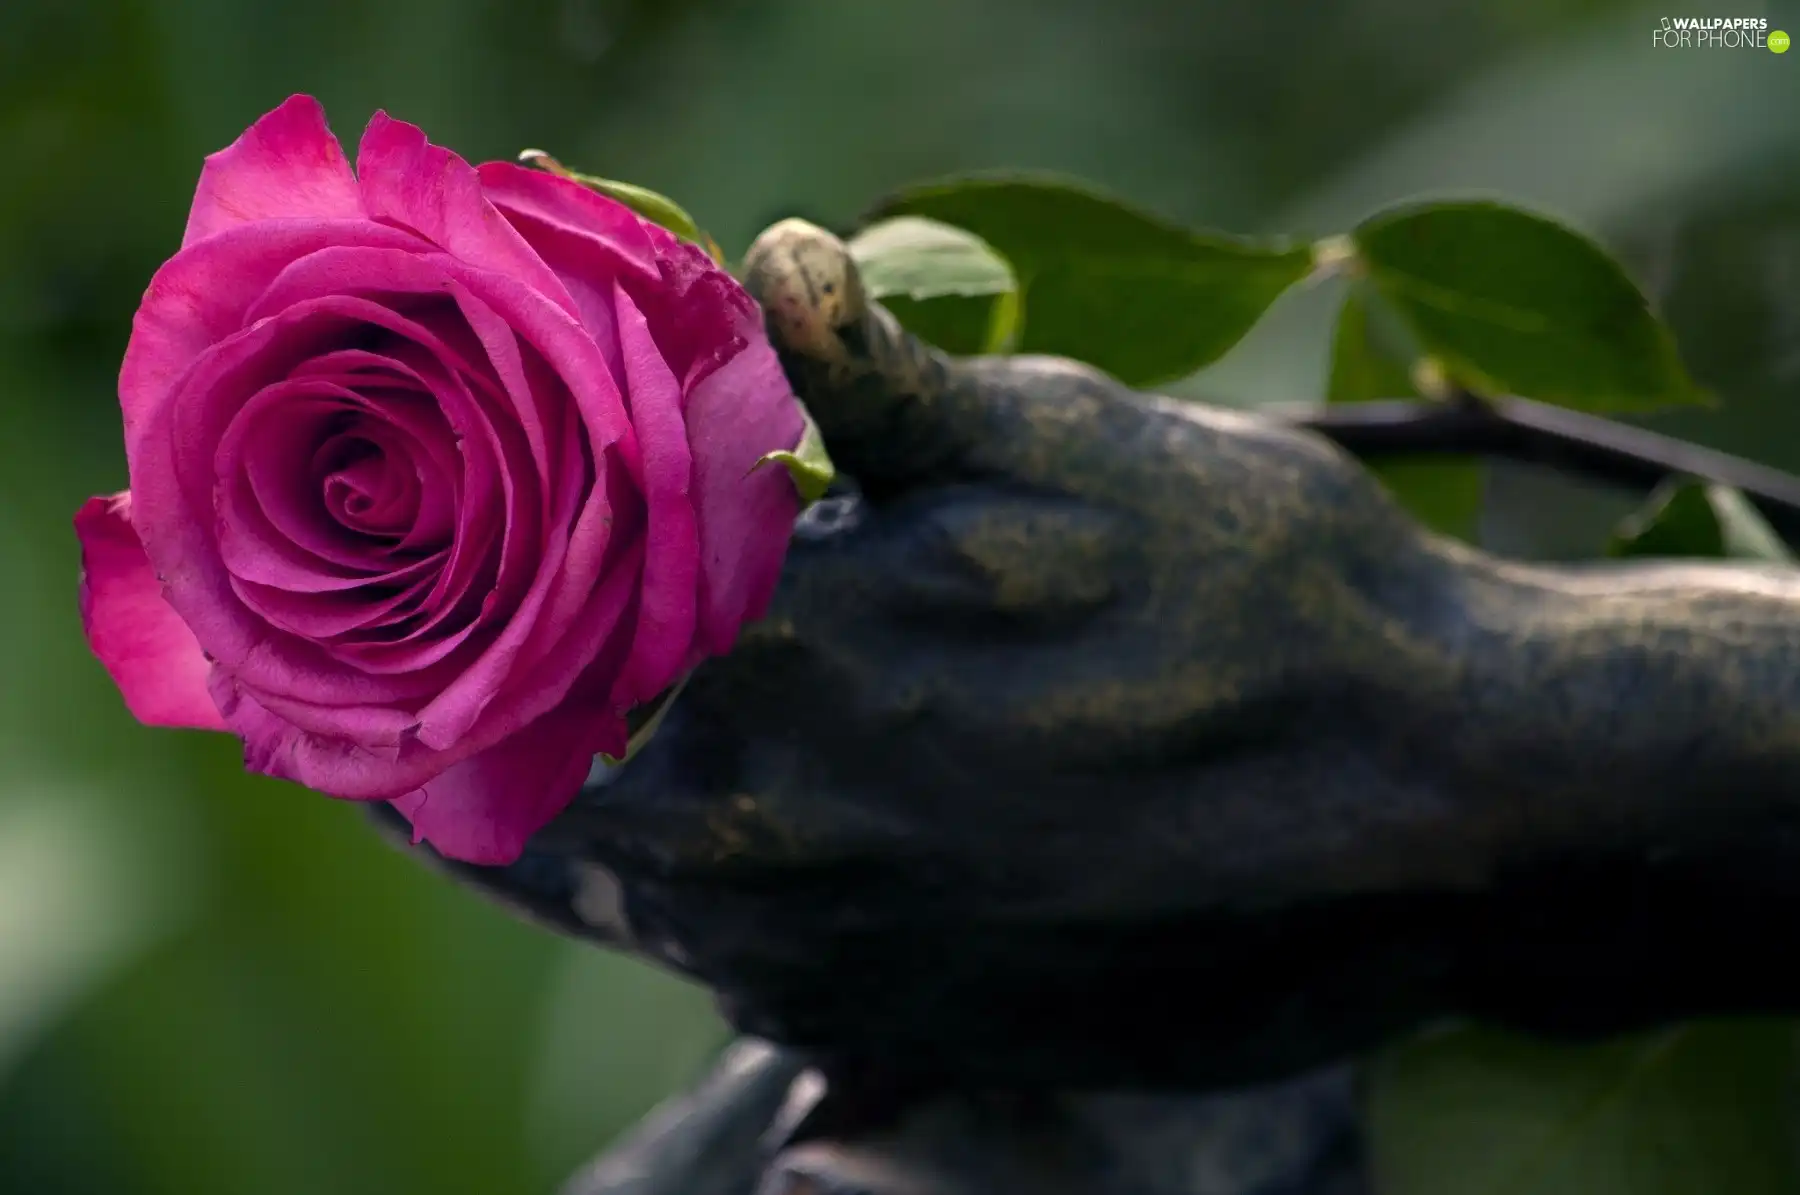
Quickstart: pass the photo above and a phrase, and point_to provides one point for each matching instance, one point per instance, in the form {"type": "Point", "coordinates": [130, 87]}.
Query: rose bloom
{"type": "Point", "coordinates": [436, 472]}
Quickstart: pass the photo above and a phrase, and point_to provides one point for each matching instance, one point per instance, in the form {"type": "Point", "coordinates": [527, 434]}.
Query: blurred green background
{"type": "Point", "coordinates": [211, 983]}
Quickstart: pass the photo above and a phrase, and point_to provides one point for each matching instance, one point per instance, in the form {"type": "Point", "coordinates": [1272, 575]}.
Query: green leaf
{"type": "Point", "coordinates": [1103, 282]}
{"type": "Point", "coordinates": [962, 324]}
{"type": "Point", "coordinates": [807, 462]}
{"type": "Point", "coordinates": [944, 284]}
{"type": "Point", "coordinates": [925, 259]}
{"type": "Point", "coordinates": [656, 208]}
{"type": "Point", "coordinates": [1510, 302]}
{"type": "Point", "coordinates": [1698, 519]}
{"type": "Point", "coordinates": [1701, 1109]}
{"type": "Point", "coordinates": [1445, 494]}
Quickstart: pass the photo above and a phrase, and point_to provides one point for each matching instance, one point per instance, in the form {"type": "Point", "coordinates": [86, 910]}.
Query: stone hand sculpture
{"type": "Point", "coordinates": [1100, 741]}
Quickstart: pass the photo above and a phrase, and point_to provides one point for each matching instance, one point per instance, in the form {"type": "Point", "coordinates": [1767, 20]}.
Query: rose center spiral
{"type": "Point", "coordinates": [368, 482]}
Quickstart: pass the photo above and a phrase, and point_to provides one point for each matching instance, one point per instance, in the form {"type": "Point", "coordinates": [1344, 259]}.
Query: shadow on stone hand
{"type": "Point", "coordinates": [1096, 741]}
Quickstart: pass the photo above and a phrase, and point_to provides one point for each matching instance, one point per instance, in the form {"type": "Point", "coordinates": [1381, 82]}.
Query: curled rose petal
{"type": "Point", "coordinates": [305, 742]}
{"type": "Point", "coordinates": [672, 565]}
{"type": "Point", "coordinates": [746, 402]}
{"type": "Point", "coordinates": [202, 295]}
{"type": "Point", "coordinates": [587, 237]}
{"type": "Point", "coordinates": [286, 166]}
{"type": "Point", "coordinates": [408, 181]}
{"type": "Point", "coordinates": [148, 650]}
{"type": "Point", "coordinates": [484, 809]}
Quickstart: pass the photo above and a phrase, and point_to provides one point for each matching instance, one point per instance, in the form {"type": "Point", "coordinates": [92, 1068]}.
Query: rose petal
{"type": "Point", "coordinates": [411, 182]}
{"type": "Point", "coordinates": [484, 348]}
{"type": "Point", "coordinates": [494, 521]}
{"type": "Point", "coordinates": [435, 354]}
{"type": "Point", "coordinates": [150, 653]}
{"type": "Point", "coordinates": [177, 496]}
{"type": "Point", "coordinates": [742, 411]}
{"type": "Point", "coordinates": [273, 529]}
{"type": "Point", "coordinates": [535, 538]}
{"type": "Point", "coordinates": [276, 746]}
{"type": "Point", "coordinates": [587, 238]}
{"type": "Point", "coordinates": [328, 618]}
{"type": "Point", "coordinates": [200, 296]}
{"type": "Point", "coordinates": [270, 504]}
{"type": "Point", "coordinates": [666, 611]}
{"type": "Point", "coordinates": [301, 744]}
{"type": "Point", "coordinates": [286, 166]}
{"type": "Point", "coordinates": [485, 809]}
{"type": "Point", "coordinates": [380, 730]}
{"type": "Point", "coordinates": [611, 521]}
{"type": "Point", "coordinates": [700, 315]}
{"type": "Point", "coordinates": [605, 233]}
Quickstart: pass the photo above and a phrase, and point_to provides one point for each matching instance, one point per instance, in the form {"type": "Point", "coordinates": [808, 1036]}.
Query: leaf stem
{"type": "Point", "coordinates": [1539, 434]}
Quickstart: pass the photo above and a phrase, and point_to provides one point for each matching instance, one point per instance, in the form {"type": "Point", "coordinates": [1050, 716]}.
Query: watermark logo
{"type": "Point", "coordinates": [1718, 33]}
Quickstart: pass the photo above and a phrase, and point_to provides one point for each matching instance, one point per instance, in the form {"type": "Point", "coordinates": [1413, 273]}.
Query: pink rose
{"type": "Point", "coordinates": [436, 472]}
